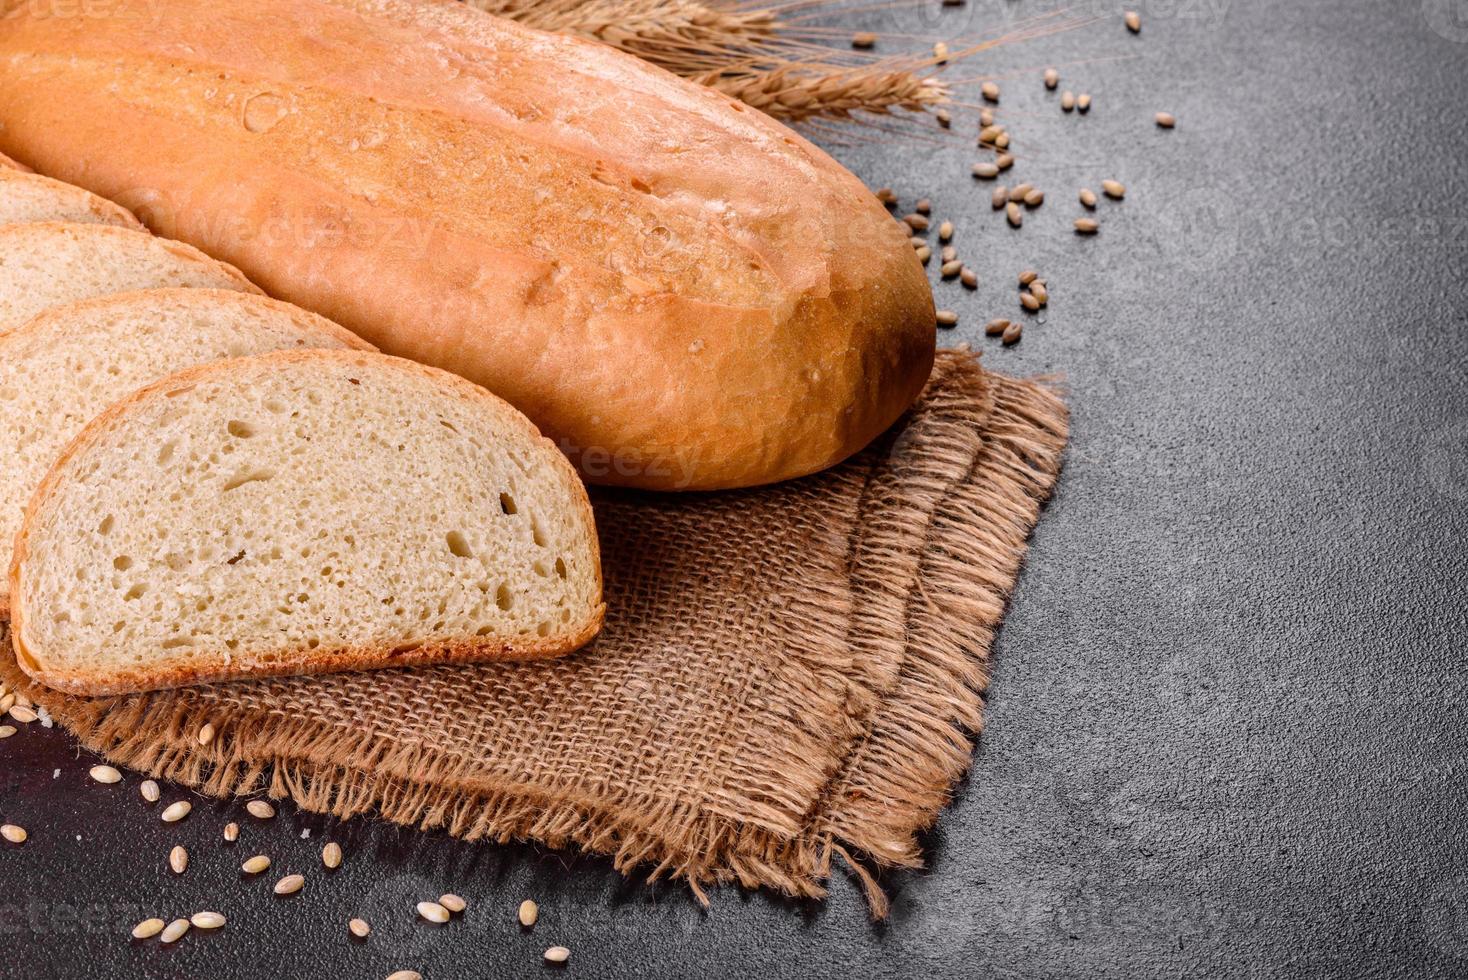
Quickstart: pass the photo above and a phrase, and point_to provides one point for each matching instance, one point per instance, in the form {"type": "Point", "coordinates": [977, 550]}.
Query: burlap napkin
{"type": "Point", "coordinates": [786, 674]}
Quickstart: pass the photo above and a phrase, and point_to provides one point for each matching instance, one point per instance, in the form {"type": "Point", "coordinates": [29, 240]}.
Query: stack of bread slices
{"type": "Point", "coordinates": [200, 483]}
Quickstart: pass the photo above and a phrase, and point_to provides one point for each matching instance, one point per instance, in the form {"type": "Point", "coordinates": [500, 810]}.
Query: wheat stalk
{"type": "Point", "coordinates": [800, 92]}
{"type": "Point", "coordinates": [748, 52]}
{"type": "Point", "coordinates": [684, 36]}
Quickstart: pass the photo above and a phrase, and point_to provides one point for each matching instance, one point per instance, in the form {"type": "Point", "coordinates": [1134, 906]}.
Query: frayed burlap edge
{"type": "Point", "coordinates": [974, 486]}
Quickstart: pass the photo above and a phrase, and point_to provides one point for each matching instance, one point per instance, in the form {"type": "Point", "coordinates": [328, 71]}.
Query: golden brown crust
{"type": "Point", "coordinates": [680, 291]}
{"type": "Point", "coordinates": [468, 650]}
{"type": "Point", "coordinates": [293, 662]}
{"type": "Point", "coordinates": [7, 162]}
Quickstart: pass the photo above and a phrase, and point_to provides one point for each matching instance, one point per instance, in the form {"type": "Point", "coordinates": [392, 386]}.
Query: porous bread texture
{"type": "Point", "coordinates": [300, 512]}
{"type": "Point", "coordinates": [30, 197]}
{"type": "Point", "coordinates": [47, 263]}
{"type": "Point", "coordinates": [62, 368]}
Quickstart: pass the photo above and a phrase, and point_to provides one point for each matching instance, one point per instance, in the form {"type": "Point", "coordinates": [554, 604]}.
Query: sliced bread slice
{"type": "Point", "coordinates": [47, 263]}
{"type": "Point", "coordinates": [301, 512]}
{"type": "Point", "coordinates": [59, 370]}
{"type": "Point", "coordinates": [31, 197]}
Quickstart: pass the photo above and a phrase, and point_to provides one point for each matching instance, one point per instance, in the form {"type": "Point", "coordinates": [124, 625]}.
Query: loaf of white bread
{"type": "Point", "coordinates": [297, 512]}
{"type": "Point", "coordinates": [680, 291]}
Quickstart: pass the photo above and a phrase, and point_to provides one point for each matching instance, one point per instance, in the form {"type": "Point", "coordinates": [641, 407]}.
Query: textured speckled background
{"type": "Point", "coordinates": [1227, 732]}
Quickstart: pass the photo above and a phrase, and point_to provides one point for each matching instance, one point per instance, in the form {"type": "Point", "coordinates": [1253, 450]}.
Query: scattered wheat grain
{"type": "Point", "coordinates": [433, 912]}
{"type": "Point", "coordinates": [290, 884]}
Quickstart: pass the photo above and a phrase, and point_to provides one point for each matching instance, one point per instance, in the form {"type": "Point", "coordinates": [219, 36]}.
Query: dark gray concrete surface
{"type": "Point", "coordinates": [1226, 735]}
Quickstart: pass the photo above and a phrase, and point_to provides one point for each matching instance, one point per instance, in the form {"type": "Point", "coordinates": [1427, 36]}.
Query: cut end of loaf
{"type": "Point", "coordinates": [62, 368]}
{"type": "Point", "coordinates": [301, 512]}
